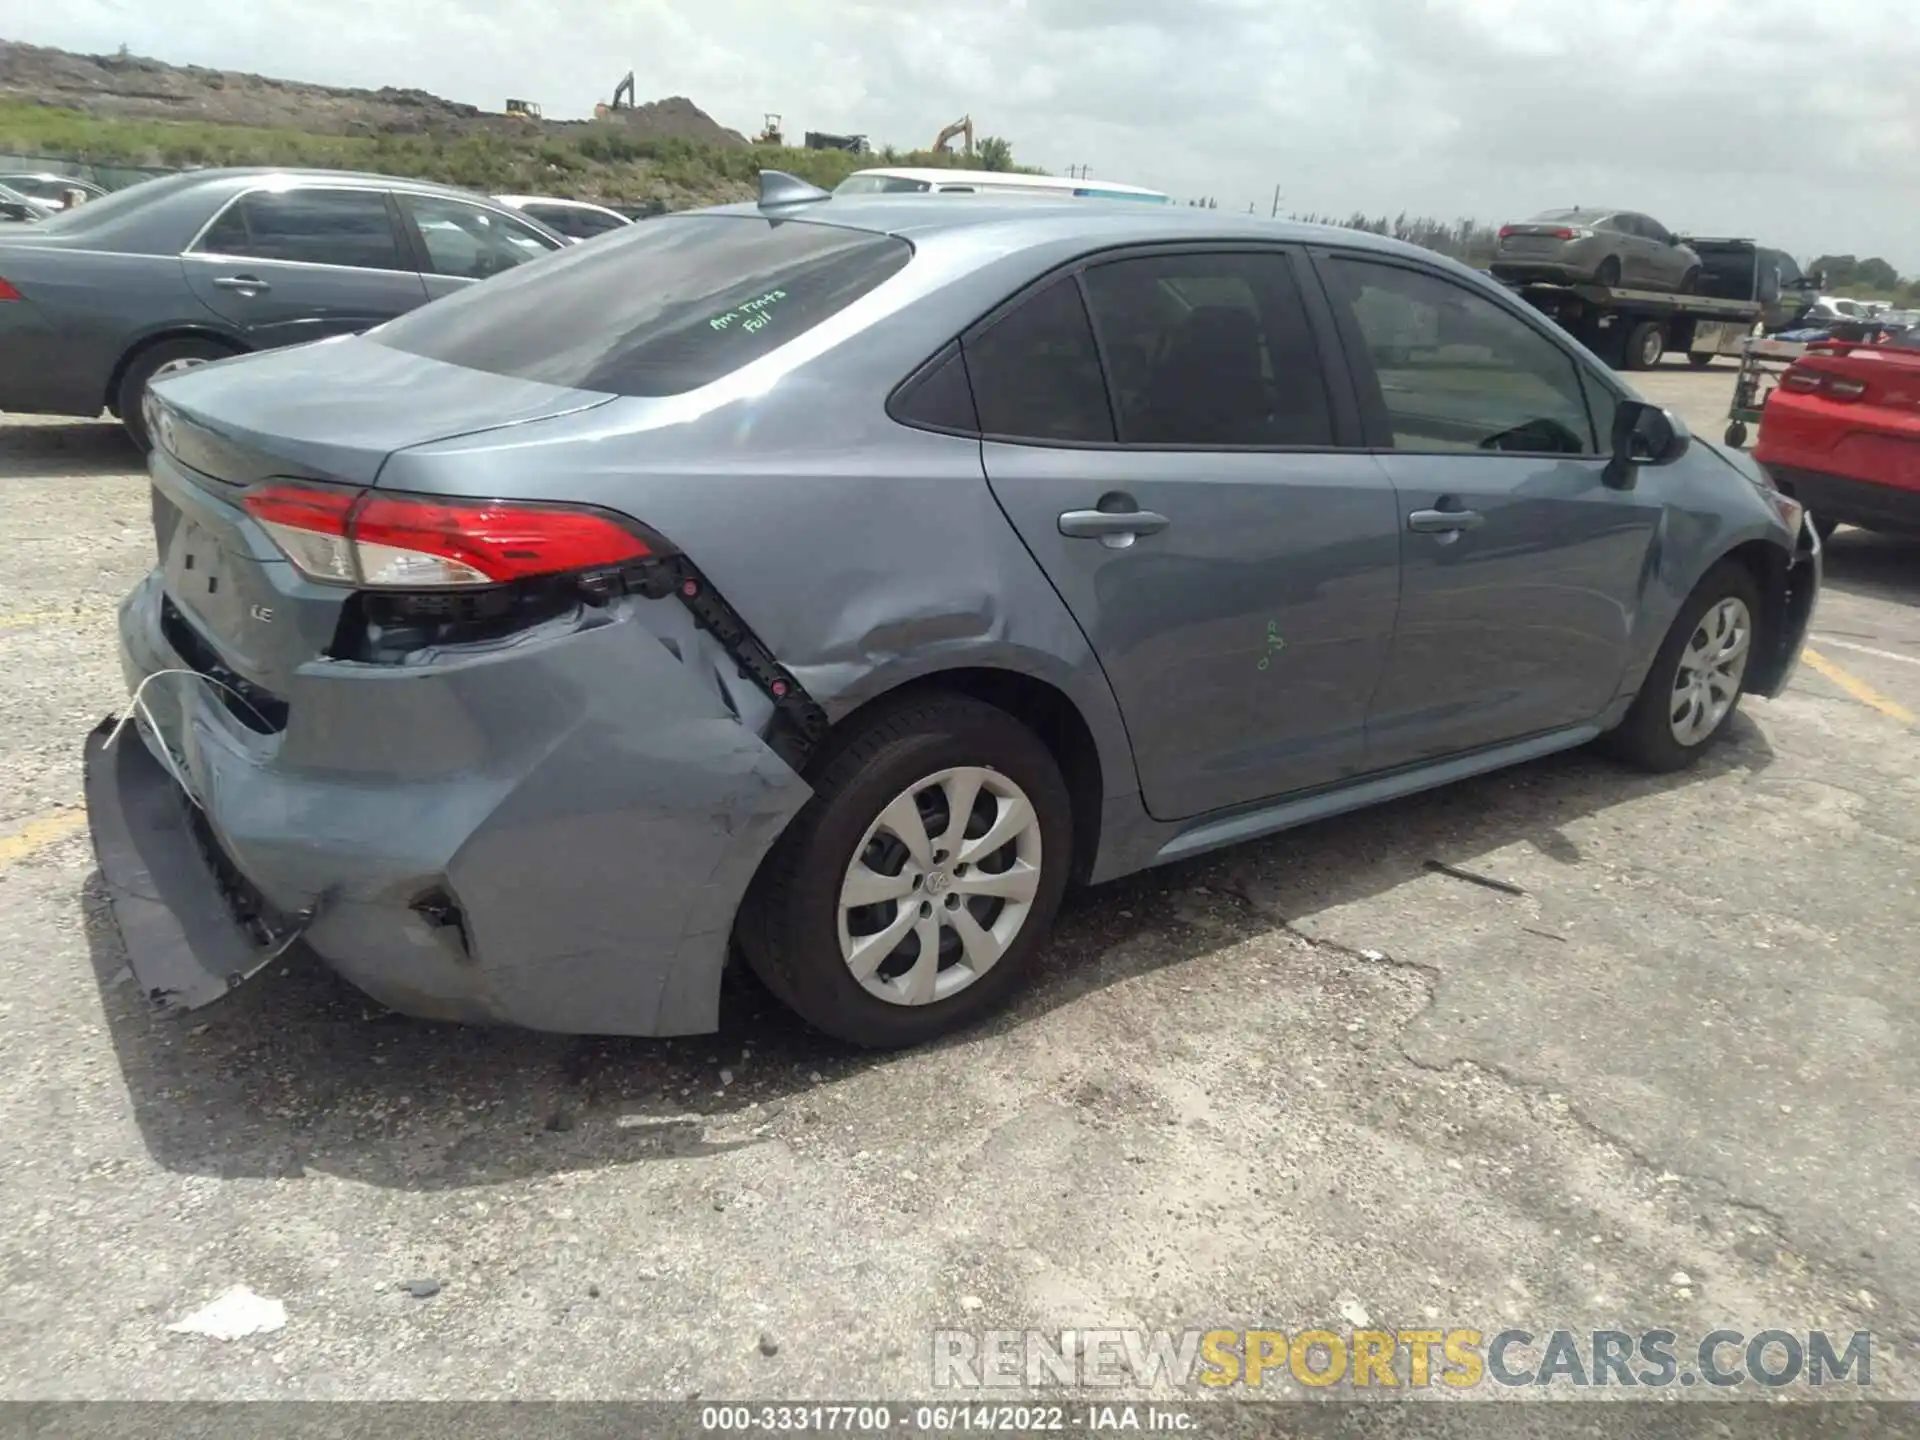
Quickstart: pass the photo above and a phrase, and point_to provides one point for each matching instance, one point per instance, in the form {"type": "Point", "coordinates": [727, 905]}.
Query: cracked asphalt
{"type": "Point", "coordinates": [1663, 1078]}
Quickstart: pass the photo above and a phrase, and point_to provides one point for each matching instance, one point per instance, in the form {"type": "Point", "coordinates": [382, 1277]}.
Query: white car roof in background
{"type": "Point", "coordinates": [519, 201]}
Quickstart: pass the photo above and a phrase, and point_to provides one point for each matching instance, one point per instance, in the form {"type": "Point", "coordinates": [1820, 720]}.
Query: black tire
{"type": "Point", "coordinates": [141, 369]}
{"type": "Point", "coordinates": [1737, 434]}
{"type": "Point", "coordinates": [1689, 282]}
{"type": "Point", "coordinates": [1646, 343]}
{"type": "Point", "coordinates": [1609, 272]}
{"type": "Point", "coordinates": [788, 928]}
{"type": "Point", "coordinates": [1701, 361]}
{"type": "Point", "coordinates": [1645, 738]}
{"type": "Point", "coordinates": [1824, 528]}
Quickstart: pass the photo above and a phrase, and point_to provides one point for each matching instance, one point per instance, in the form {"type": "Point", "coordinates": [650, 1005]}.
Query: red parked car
{"type": "Point", "coordinates": [1842, 435]}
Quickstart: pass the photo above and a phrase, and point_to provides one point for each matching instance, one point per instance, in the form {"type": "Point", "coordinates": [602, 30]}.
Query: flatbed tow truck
{"type": "Point", "coordinates": [1744, 288]}
{"type": "Point", "coordinates": [1633, 329]}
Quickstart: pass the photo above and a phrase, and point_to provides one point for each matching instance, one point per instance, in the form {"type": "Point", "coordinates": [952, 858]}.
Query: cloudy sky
{"type": "Point", "coordinates": [1797, 121]}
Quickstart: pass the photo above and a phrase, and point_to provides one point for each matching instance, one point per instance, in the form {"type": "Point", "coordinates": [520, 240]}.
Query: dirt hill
{"type": "Point", "coordinates": [135, 87]}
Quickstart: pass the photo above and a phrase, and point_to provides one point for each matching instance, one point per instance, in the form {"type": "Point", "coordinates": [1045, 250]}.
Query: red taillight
{"type": "Point", "coordinates": [407, 543]}
{"type": "Point", "coordinates": [1506, 232]}
{"type": "Point", "coordinates": [7, 292]}
{"type": "Point", "coordinates": [1842, 388]}
{"type": "Point", "coordinates": [482, 544]}
{"type": "Point", "coordinates": [1804, 381]}
{"type": "Point", "coordinates": [1563, 233]}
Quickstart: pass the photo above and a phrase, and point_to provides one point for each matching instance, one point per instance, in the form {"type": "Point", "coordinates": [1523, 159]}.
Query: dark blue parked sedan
{"type": "Point", "coordinates": [173, 272]}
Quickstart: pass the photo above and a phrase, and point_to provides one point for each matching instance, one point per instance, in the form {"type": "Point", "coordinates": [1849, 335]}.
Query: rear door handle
{"type": "Point", "coordinates": [1434, 522]}
{"type": "Point", "coordinates": [241, 282]}
{"type": "Point", "coordinates": [1110, 524]}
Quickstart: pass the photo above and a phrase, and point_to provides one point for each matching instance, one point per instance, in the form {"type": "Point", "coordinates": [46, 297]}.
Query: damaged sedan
{"type": "Point", "coordinates": [832, 581]}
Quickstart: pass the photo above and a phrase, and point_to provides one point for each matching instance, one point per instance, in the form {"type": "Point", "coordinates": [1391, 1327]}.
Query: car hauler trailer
{"type": "Point", "coordinates": [1743, 287]}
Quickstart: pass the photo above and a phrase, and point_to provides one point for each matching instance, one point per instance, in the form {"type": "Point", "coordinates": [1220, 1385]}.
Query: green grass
{"type": "Point", "coordinates": [598, 161]}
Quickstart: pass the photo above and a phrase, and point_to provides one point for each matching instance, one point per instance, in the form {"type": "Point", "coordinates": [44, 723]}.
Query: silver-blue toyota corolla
{"type": "Point", "coordinates": [834, 580]}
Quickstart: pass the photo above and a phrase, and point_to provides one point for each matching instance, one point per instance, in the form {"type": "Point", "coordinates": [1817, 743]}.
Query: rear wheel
{"type": "Point", "coordinates": [169, 357]}
{"type": "Point", "coordinates": [1701, 361]}
{"type": "Point", "coordinates": [1646, 343]}
{"type": "Point", "coordinates": [910, 895]}
{"type": "Point", "coordinates": [1737, 434]}
{"type": "Point", "coordinates": [1693, 687]}
{"type": "Point", "coordinates": [1824, 527]}
{"type": "Point", "coordinates": [1609, 272]}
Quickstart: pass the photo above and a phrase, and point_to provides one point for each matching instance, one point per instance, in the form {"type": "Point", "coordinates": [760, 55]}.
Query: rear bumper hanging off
{"type": "Point", "coordinates": [554, 835]}
{"type": "Point", "coordinates": [193, 926]}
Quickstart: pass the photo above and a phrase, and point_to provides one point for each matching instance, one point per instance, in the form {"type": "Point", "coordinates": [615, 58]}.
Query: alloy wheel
{"type": "Point", "coordinates": [940, 886]}
{"type": "Point", "coordinates": [1707, 682]}
{"type": "Point", "coordinates": [174, 367]}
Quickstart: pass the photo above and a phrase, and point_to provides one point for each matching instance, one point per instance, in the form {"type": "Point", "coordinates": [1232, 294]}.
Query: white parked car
{"type": "Point", "coordinates": [18, 209]}
{"type": "Point", "coordinates": [577, 220]}
{"type": "Point", "coordinates": [55, 192]}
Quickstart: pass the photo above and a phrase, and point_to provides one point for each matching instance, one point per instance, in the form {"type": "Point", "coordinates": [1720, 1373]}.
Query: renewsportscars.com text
{"type": "Point", "coordinates": [1457, 1358]}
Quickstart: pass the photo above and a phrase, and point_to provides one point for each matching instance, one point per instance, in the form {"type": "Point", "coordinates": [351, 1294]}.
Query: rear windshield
{"type": "Point", "coordinates": [108, 209]}
{"type": "Point", "coordinates": [659, 309]}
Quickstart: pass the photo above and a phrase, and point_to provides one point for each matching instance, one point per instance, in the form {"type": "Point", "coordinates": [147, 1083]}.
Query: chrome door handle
{"type": "Point", "coordinates": [241, 282]}
{"type": "Point", "coordinates": [1111, 524]}
{"type": "Point", "coordinates": [1437, 522]}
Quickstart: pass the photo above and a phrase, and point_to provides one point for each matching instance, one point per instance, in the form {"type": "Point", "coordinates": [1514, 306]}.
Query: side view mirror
{"type": "Point", "coordinates": [1644, 434]}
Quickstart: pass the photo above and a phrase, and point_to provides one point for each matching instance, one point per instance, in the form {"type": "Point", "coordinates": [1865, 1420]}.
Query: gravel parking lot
{"type": "Point", "coordinates": [1311, 1081]}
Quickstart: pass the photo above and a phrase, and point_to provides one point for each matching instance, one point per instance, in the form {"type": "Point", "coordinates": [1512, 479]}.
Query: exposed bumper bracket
{"type": "Point", "coordinates": [192, 927]}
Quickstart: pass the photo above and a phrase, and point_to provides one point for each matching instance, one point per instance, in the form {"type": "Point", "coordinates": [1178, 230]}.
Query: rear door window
{"type": "Point", "coordinates": [351, 228]}
{"type": "Point", "coordinates": [658, 309]}
{"type": "Point", "coordinates": [1207, 350]}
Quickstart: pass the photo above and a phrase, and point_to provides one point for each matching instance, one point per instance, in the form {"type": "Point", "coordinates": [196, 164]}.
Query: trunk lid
{"type": "Point", "coordinates": [336, 409]}
{"type": "Point", "coordinates": [234, 607]}
{"type": "Point", "coordinates": [1536, 238]}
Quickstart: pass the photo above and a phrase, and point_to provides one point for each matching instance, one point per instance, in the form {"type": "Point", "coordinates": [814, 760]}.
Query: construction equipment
{"type": "Point", "coordinates": [523, 109]}
{"type": "Point", "coordinates": [771, 134]}
{"type": "Point", "coordinates": [962, 127]}
{"type": "Point", "coordinates": [625, 87]}
{"type": "Point", "coordinates": [856, 144]}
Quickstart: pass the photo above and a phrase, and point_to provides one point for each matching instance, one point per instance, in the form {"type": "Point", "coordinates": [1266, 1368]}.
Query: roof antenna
{"type": "Point", "coordinates": [779, 188]}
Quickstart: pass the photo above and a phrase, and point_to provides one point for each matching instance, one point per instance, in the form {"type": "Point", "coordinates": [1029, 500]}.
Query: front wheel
{"type": "Point", "coordinates": [1693, 687]}
{"type": "Point", "coordinates": [912, 892]}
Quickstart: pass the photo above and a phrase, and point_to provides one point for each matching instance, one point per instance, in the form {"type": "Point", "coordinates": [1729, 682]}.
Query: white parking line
{"type": "Point", "coordinates": [1868, 650]}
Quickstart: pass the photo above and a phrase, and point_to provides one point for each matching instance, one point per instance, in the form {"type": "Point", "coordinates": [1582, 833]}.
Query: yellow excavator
{"type": "Point", "coordinates": [625, 87]}
{"type": "Point", "coordinates": [963, 127]}
{"type": "Point", "coordinates": [523, 109]}
{"type": "Point", "coordinates": [771, 135]}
